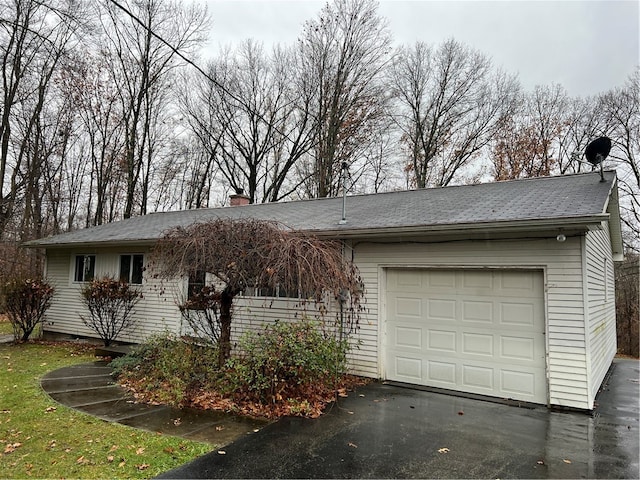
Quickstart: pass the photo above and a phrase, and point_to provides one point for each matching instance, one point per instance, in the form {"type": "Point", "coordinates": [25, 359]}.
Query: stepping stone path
{"type": "Point", "coordinates": [89, 388]}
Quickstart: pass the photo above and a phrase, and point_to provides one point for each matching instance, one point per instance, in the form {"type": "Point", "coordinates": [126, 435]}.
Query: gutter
{"type": "Point", "coordinates": [591, 222]}
{"type": "Point", "coordinates": [583, 223]}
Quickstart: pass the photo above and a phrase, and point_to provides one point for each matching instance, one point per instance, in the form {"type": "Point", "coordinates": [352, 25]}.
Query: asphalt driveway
{"type": "Point", "coordinates": [382, 431]}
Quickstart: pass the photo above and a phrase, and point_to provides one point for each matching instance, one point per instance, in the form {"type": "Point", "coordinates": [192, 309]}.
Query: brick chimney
{"type": "Point", "coordinates": [238, 199]}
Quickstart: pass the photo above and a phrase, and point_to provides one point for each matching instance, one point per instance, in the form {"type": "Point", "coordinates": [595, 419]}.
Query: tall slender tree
{"type": "Point", "coordinates": [342, 54]}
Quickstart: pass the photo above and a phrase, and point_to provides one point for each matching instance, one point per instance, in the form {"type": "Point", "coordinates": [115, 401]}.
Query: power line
{"type": "Point", "coordinates": [197, 67]}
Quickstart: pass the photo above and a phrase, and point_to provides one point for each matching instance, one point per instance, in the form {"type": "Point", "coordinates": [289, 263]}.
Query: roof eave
{"type": "Point", "coordinates": [88, 244]}
{"type": "Point", "coordinates": [584, 223]}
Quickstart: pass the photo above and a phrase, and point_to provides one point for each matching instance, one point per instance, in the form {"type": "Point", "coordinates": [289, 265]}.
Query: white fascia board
{"type": "Point", "coordinates": [593, 222]}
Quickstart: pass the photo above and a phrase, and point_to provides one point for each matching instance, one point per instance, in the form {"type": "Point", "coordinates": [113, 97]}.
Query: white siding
{"type": "Point", "coordinates": [601, 316]}
{"type": "Point", "coordinates": [572, 381]}
{"type": "Point", "coordinates": [561, 263]}
{"type": "Point", "coordinates": [154, 313]}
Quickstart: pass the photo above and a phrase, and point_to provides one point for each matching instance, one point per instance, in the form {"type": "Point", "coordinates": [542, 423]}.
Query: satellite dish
{"type": "Point", "coordinates": [597, 151]}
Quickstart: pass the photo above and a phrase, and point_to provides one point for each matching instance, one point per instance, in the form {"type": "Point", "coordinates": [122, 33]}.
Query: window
{"type": "Point", "coordinates": [277, 291]}
{"type": "Point", "coordinates": [131, 267]}
{"type": "Point", "coordinates": [85, 268]}
{"type": "Point", "coordinates": [196, 282]}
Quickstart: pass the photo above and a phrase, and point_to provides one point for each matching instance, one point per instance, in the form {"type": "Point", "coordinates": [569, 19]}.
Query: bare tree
{"type": "Point", "coordinates": [253, 253]}
{"type": "Point", "coordinates": [245, 117]}
{"type": "Point", "coordinates": [621, 110]}
{"type": "Point", "coordinates": [451, 103]}
{"type": "Point", "coordinates": [33, 39]}
{"type": "Point", "coordinates": [89, 81]}
{"type": "Point", "coordinates": [582, 123]}
{"type": "Point", "coordinates": [142, 64]}
{"type": "Point", "coordinates": [341, 55]}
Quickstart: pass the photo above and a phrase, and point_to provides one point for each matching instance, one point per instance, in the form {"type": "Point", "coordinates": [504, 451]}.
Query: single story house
{"type": "Point", "coordinates": [502, 289]}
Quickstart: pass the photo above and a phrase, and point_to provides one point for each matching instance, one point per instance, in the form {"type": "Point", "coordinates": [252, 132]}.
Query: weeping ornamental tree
{"type": "Point", "coordinates": [254, 253]}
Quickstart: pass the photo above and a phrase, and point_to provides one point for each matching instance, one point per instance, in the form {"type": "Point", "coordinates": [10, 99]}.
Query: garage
{"type": "Point", "coordinates": [477, 331]}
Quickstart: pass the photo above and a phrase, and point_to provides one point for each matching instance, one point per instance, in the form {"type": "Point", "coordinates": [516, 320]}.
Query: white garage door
{"type": "Point", "coordinates": [476, 331]}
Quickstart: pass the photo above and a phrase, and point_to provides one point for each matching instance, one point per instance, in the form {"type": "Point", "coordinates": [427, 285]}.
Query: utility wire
{"type": "Point", "coordinates": [197, 67]}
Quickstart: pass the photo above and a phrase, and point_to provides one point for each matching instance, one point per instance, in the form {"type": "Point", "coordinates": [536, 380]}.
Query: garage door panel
{"type": "Point", "coordinates": [477, 344]}
{"type": "Point", "coordinates": [517, 348]}
{"type": "Point", "coordinates": [476, 282]}
{"type": "Point", "coordinates": [408, 307]}
{"type": "Point", "coordinates": [476, 377]}
{"type": "Point", "coordinates": [409, 279]}
{"type": "Point", "coordinates": [477, 311]}
{"type": "Point", "coordinates": [441, 340]}
{"type": "Point", "coordinates": [518, 383]}
{"type": "Point", "coordinates": [517, 283]}
{"type": "Point", "coordinates": [474, 331]}
{"type": "Point", "coordinates": [441, 309]}
{"type": "Point", "coordinates": [441, 374]}
{"type": "Point", "coordinates": [441, 281]}
{"type": "Point", "coordinates": [409, 369]}
{"type": "Point", "coordinates": [517, 314]}
{"type": "Point", "coordinates": [408, 337]}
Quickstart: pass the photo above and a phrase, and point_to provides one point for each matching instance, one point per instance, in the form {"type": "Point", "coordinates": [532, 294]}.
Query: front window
{"type": "Point", "coordinates": [131, 267]}
{"type": "Point", "coordinates": [196, 283]}
{"type": "Point", "coordinates": [85, 268]}
{"type": "Point", "coordinates": [278, 292]}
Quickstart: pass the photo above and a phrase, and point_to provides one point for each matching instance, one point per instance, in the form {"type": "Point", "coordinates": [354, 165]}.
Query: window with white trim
{"type": "Point", "coordinates": [131, 267]}
{"type": "Point", "coordinates": [85, 268]}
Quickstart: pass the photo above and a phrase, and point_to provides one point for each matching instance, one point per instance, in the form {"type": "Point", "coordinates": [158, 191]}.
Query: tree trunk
{"type": "Point", "coordinates": [226, 302]}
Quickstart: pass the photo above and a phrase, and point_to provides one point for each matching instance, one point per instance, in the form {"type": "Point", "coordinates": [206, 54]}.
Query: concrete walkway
{"type": "Point", "coordinates": [89, 388]}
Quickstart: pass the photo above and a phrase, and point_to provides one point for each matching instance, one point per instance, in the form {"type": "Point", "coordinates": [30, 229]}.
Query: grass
{"type": "Point", "coordinates": [42, 439]}
{"type": "Point", "coordinates": [5, 325]}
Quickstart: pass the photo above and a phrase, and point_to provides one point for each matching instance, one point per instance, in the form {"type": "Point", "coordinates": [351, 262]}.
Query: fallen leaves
{"type": "Point", "coordinates": [315, 400]}
{"type": "Point", "coordinates": [11, 447]}
{"type": "Point", "coordinates": [50, 409]}
{"type": "Point", "coordinates": [142, 466]}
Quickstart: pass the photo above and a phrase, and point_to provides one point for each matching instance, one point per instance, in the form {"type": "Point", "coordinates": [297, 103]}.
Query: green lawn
{"type": "Point", "coordinates": [5, 325]}
{"type": "Point", "coordinates": [42, 439]}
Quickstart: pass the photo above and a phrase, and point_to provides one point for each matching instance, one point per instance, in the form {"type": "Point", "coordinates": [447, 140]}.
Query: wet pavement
{"type": "Point", "coordinates": [383, 431]}
{"type": "Point", "coordinates": [90, 388]}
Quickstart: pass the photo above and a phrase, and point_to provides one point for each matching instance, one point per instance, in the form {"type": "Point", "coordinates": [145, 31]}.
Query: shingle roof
{"type": "Point", "coordinates": [545, 199]}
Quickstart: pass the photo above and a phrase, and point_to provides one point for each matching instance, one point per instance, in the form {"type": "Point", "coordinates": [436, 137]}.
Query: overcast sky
{"type": "Point", "coordinates": [588, 46]}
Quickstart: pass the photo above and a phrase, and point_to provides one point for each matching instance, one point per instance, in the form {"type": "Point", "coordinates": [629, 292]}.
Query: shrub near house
{"type": "Point", "coordinates": [285, 369]}
{"type": "Point", "coordinates": [110, 303]}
